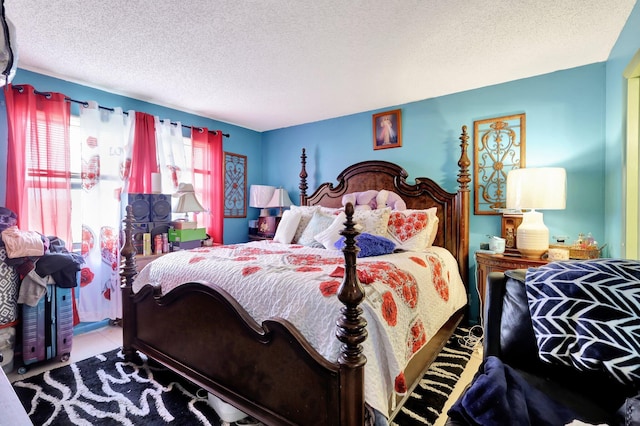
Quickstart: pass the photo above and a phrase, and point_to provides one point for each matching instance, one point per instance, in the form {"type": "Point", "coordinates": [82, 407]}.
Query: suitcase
{"type": "Point", "coordinates": [47, 328]}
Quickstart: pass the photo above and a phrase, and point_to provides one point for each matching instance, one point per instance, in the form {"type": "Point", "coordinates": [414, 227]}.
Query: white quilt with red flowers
{"type": "Point", "coordinates": [409, 296]}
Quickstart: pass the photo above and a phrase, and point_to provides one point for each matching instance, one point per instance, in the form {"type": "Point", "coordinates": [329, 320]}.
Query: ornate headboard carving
{"type": "Point", "coordinates": [453, 208]}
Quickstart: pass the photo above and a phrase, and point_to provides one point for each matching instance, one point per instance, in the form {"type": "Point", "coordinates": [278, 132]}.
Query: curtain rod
{"type": "Point", "coordinates": [86, 104]}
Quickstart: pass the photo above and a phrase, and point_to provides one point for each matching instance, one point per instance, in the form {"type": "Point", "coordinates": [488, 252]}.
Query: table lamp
{"type": "Point", "coordinates": [279, 200]}
{"type": "Point", "coordinates": [259, 197]}
{"type": "Point", "coordinates": [187, 203]}
{"type": "Point", "coordinates": [534, 189]}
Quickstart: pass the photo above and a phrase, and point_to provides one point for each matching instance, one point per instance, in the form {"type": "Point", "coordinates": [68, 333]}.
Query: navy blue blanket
{"type": "Point", "coordinates": [498, 395]}
{"type": "Point", "coordinates": [586, 315]}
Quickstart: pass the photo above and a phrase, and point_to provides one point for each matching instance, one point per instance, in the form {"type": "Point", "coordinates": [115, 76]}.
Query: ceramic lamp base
{"type": "Point", "coordinates": [532, 236]}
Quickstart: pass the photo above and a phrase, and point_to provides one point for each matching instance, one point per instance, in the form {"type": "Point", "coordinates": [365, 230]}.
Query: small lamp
{"type": "Point", "coordinates": [530, 189]}
{"type": "Point", "coordinates": [259, 197]}
{"type": "Point", "coordinates": [279, 200]}
{"type": "Point", "coordinates": [187, 201]}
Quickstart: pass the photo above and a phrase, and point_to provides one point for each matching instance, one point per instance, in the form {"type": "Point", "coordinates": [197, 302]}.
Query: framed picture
{"type": "Point", "coordinates": [235, 185]}
{"type": "Point", "coordinates": [387, 129]}
{"type": "Point", "coordinates": [499, 146]}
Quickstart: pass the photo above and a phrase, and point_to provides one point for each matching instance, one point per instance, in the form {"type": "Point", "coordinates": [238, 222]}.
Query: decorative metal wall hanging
{"type": "Point", "coordinates": [235, 185]}
{"type": "Point", "coordinates": [499, 146]}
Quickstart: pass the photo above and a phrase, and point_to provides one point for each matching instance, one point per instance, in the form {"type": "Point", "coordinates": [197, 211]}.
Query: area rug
{"type": "Point", "coordinates": [427, 400]}
{"type": "Point", "coordinates": [106, 390]}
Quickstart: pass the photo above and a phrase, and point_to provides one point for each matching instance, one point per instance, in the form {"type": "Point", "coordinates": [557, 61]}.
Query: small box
{"type": "Point", "coordinates": [186, 245]}
{"type": "Point", "coordinates": [182, 224]}
{"type": "Point", "coordinates": [182, 235]}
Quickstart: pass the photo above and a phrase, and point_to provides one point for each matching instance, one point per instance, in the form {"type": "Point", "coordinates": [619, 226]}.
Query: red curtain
{"type": "Point", "coordinates": [38, 161]}
{"type": "Point", "coordinates": [209, 179]}
{"type": "Point", "coordinates": [144, 160]}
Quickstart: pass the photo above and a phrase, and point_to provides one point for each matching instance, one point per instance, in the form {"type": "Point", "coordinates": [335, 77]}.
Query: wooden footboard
{"type": "Point", "coordinates": [268, 371]}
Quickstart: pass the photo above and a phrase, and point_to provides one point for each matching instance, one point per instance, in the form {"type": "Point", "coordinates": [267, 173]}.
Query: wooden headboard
{"type": "Point", "coordinates": [452, 208]}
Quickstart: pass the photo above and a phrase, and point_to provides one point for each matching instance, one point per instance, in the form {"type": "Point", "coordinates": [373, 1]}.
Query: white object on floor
{"type": "Point", "coordinates": [227, 413]}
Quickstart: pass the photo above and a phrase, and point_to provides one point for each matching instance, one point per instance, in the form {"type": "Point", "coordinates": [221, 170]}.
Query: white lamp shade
{"type": "Point", "coordinates": [260, 195]}
{"type": "Point", "coordinates": [188, 203]}
{"type": "Point", "coordinates": [542, 188]}
{"type": "Point", "coordinates": [280, 198]}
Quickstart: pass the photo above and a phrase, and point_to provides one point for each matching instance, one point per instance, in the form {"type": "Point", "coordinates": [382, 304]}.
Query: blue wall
{"type": "Point", "coordinates": [241, 141]}
{"type": "Point", "coordinates": [564, 127]}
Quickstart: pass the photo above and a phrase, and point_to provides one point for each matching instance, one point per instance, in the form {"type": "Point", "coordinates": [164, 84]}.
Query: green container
{"type": "Point", "coordinates": [181, 235]}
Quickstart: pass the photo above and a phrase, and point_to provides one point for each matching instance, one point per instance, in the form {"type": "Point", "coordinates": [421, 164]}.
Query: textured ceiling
{"type": "Point", "coordinates": [274, 63]}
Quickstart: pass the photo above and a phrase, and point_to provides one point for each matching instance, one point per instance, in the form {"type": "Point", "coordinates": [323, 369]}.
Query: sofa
{"type": "Point", "coordinates": [532, 318]}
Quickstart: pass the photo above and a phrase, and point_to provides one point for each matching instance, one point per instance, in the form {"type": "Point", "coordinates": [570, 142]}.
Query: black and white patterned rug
{"type": "Point", "coordinates": [426, 402]}
{"type": "Point", "coordinates": [106, 390]}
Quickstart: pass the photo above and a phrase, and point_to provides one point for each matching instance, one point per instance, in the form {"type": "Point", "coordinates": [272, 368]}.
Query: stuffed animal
{"type": "Point", "coordinates": [365, 200]}
{"type": "Point", "coordinates": [390, 199]}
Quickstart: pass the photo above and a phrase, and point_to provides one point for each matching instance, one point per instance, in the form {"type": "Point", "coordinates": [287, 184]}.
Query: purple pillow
{"type": "Point", "coordinates": [370, 245]}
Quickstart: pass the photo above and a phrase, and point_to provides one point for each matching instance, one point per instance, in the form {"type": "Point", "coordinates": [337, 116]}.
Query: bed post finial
{"type": "Point", "coordinates": [464, 177]}
{"type": "Point", "coordinates": [303, 178]}
{"type": "Point", "coordinates": [351, 327]}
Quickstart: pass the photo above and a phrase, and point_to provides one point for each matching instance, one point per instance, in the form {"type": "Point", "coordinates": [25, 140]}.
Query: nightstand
{"type": "Point", "coordinates": [257, 237]}
{"type": "Point", "coordinates": [487, 263]}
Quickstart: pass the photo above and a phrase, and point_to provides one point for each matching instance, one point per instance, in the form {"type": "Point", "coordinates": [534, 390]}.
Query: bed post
{"type": "Point", "coordinates": [464, 177]}
{"type": "Point", "coordinates": [351, 331]}
{"type": "Point", "coordinates": [127, 274]}
{"type": "Point", "coordinates": [303, 178]}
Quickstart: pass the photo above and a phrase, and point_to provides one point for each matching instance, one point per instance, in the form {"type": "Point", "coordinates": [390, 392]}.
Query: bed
{"type": "Point", "coordinates": [268, 368]}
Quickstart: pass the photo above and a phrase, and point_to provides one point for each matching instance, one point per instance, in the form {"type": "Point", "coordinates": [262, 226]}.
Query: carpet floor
{"type": "Point", "coordinates": [105, 390]}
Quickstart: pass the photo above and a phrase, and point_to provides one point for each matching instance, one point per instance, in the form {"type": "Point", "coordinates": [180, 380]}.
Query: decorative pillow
{"type": "Point", "coordinates": [306, 213]}
{"type": "Point", "coordinates": [319, 222]}
{"type": "Point", "coordinates": [434, 230]}
{"type": "Point", "coordinates": [287, 226]}
{"type": "Point", "coordinates": [373, 221]}
{"type": "Point", "coordinates": [331, 235]}
{"type": "Point", "coordinates": [413, 229]}
{"type": "Point", "coordinates": [370, 245]}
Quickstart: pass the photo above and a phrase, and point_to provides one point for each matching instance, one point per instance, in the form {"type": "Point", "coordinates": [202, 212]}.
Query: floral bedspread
{"type": "Point", "coordinates": [409, 296]}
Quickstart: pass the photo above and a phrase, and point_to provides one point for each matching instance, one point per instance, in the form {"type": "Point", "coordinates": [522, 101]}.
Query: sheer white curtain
{"type": "Point", "coordinates": [105, 147]}
{"type": "Point", "coordinates": [171, 155]}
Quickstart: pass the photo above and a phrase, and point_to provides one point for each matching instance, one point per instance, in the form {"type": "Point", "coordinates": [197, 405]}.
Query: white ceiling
{"type": "Point", "coordinates": [276, 63]}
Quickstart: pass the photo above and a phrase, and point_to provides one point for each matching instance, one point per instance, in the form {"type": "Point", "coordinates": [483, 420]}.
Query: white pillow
{"type": "Point", "coordinates": [318, 222]}
{"type": "Point", "coordinates": [306, 213]}
{"type": "Point", "coordinates": [331, 235]}
{"type": "Point", "coordinates": [373, 221]}
{"type": "Point", "coordinates": [287, 226]}
{"type": "Point", "coordinates": [413, 230]}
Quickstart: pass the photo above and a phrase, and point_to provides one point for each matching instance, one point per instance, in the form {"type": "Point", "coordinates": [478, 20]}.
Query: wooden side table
{"type": "Point", "coordinates": [258, 237]}
{"type": "Point", "coordinates": [487, 263]}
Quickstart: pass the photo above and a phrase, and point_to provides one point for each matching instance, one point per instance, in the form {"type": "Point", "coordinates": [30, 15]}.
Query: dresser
{"type": "Point", "coordinates": [487, 263]}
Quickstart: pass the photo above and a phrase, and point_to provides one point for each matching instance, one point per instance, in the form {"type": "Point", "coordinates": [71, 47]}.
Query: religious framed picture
{"type": "Point", "coordinates": [387, 129]}
{"type": "Point", "coordinates": [499, 146]}
{"type": "Point", "coordinates": [235, 185]}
